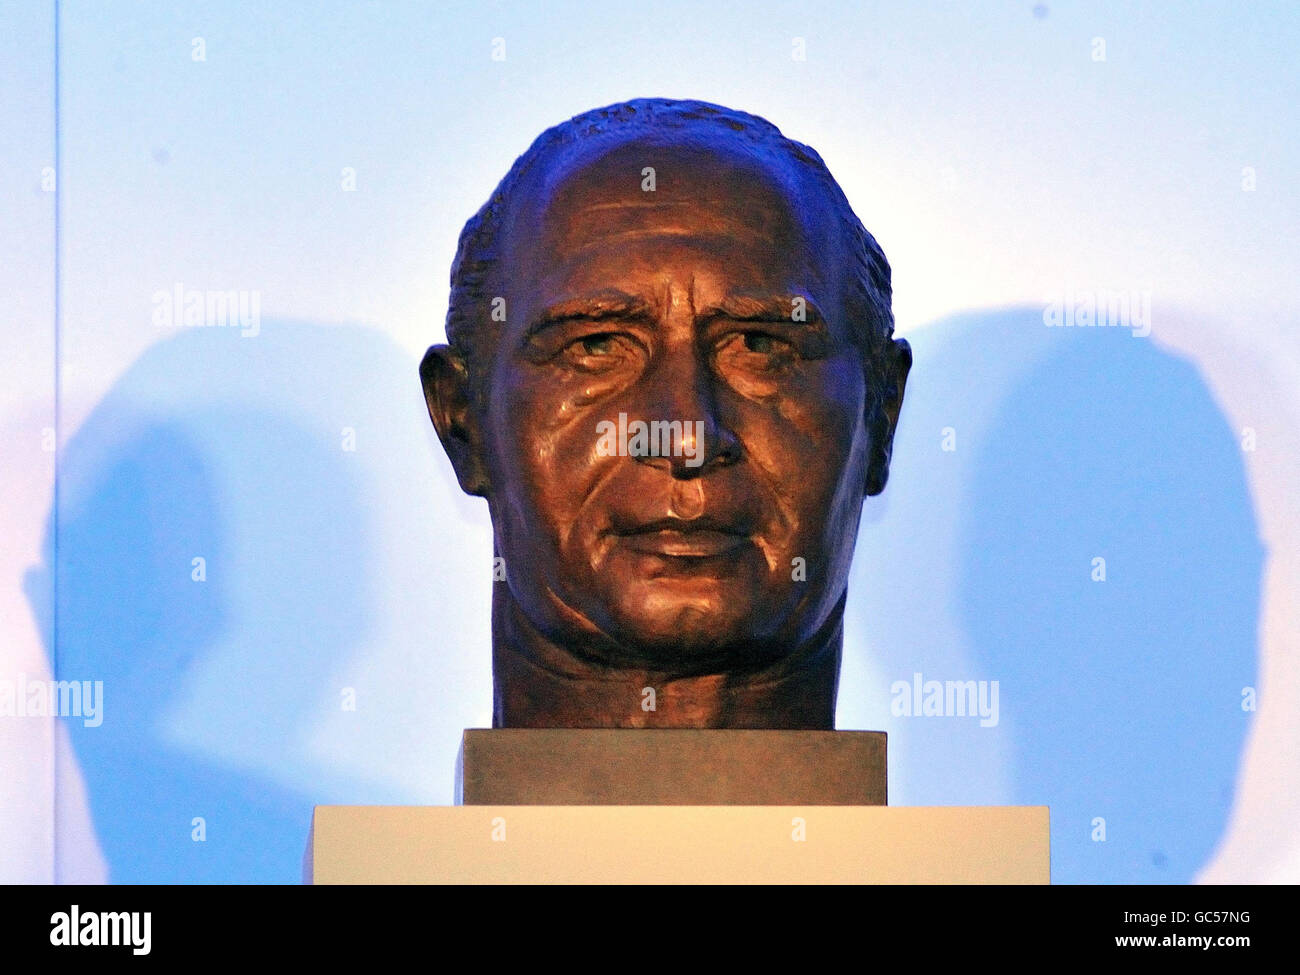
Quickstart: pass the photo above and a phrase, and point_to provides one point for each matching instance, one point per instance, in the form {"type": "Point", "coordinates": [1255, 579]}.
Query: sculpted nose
{"type": "Point", "coordinates": [681, 398]}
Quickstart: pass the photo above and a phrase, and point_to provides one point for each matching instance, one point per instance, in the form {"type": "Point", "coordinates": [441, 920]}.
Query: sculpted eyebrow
{"type": "Point", "coordinates": [775, 308]}
{"type": "Point", "coordinates": [607, 305]}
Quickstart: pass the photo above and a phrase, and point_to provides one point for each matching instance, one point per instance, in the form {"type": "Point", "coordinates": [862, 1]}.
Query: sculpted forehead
{"type": "Point", "coordinates": [721, 193]}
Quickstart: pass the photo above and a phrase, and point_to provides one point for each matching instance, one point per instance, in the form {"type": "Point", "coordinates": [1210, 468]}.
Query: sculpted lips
{"type": "Point", "coordinates": [700, 538]}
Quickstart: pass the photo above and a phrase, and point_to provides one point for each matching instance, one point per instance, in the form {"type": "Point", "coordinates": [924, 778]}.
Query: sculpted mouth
{"type": "Point", "coordinates": [702, 537]}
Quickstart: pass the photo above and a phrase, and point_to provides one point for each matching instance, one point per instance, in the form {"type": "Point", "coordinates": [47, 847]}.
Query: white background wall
{"type": "Point", "coordinates": [997, 159]}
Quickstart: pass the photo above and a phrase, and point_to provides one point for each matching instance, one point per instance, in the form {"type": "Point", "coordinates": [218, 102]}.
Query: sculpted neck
{"type": "Point", "coordinates": [538, 684]}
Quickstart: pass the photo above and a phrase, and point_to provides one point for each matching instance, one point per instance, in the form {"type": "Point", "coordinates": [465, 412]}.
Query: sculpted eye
{"type": "Point", "coordinates": [601, 352]}
{"type": "Point", "coordinates": [753, 350]}
{"type": "Point", "coordinates": [598, 344]}
{"type": "Point", "coordinates": [756, 361]}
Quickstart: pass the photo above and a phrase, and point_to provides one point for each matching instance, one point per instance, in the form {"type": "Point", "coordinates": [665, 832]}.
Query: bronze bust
{"type": "Point", "coordinates": [673, 376]}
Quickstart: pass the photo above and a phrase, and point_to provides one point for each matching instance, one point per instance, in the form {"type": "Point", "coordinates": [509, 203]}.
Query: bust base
{"type": "Point", "coordinates": [670, 767]}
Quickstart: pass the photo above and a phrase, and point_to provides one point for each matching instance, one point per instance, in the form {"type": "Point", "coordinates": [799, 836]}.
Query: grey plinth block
{"type": "Point", "coordinates": [687, 767]}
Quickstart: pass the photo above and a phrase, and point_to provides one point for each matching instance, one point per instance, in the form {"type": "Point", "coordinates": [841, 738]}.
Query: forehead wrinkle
{"type": "Point", "coordinates": [552, 212]}
{"type": "Point", "coordinates": [758, 204]}
{"type": "Point", "coordinates": [661, 203]}
{"type": "Point", "coordinates": [633, 204]}
{"type": "Point", "coordinates": [763, 192]}
{"type": "Point", "coordinates": [670, 233]}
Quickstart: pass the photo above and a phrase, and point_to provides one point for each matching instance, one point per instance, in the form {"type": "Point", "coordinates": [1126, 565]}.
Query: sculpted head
{"type": "Point", "coordinates": [672, 375]}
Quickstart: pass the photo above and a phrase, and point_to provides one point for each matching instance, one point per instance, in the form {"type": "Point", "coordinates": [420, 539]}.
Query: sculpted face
{"type": "Point", "coordinates": [715, 301]}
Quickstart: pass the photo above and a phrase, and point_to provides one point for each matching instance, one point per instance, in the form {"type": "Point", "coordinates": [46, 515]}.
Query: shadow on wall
{"type": "Point", "coordinates": [227, 450]}
{"type": "Point", "coordinates": [1121, 700]}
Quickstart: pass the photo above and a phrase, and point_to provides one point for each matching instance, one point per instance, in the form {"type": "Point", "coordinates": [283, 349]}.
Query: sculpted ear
{"type": "Point", "coordinates": [882, 416]}
{"type": "Point", "coordinates": [445, 378]}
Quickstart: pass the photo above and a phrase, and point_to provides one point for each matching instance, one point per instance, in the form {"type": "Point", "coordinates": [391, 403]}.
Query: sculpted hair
{"type": "Point", "coordinates": [470, 330]}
